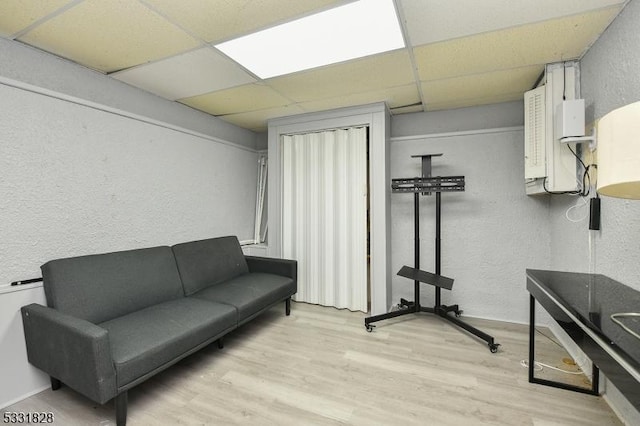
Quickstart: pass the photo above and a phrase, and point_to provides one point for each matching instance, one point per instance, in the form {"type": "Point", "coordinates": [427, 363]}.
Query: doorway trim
{"type": "Point", "coordinates": [377, 118]}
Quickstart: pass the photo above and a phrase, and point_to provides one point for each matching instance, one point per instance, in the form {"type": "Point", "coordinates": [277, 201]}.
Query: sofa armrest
{"type": "Point", "coordinates": [284, 267]}
{"type": "Point", "coordinates": [71, 350]}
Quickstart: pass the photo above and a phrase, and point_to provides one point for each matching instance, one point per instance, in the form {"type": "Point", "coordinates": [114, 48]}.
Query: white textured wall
{"type": "Point", "coordinates": [608, 81]}
{"type": "Point", "coordinates": [491, 232]}
{"type": "Point", "coordinates": [19, 378]}
{"type": "Point", "coordinates": [505, 114]}
{"type": "Point", "coordinates": [77, 180]}
{"type": "Point", "coordinates": [30, 65]}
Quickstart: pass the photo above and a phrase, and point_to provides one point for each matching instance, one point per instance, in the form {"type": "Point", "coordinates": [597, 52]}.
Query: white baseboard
{"type": "Point", "coordinates": [5, 404]}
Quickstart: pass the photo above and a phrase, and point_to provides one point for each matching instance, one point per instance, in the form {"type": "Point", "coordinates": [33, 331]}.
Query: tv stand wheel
{"type": "Point", "coordinates": [493, 347]}
{"type": "Point", "coordinates": [369, 327]}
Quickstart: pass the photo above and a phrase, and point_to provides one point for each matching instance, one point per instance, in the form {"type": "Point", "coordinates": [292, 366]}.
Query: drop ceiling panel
{"type": "Point", "coordinates": [257, 120]}
{"type": "Point", "coordinates": [406, 110]}
{"type": "Point", "coordinates": [394, 97]}
{"type": "Point", "coordinates": [110, 35]}
{"type": "Point", "coordinates": [362, 75]}
{"type": "Point", "coordinates": [17, 15]}
{"type": "Point", "coordinates": [250, 97]}
{"type": "Point", "coordinates": [540, 43]}
{"type": "Point", "coordinates": [218, 20]}
{"type": "Point", "coordinates": [429, 21]}
{"type": "Point", "coordinates": [463, 103]}
{"type": "Point", "coordinates": [199, 71]}
{"type": "Point", "coordinates": [469, 89]}
{"type": "Point", "coordinates": [467, 52]}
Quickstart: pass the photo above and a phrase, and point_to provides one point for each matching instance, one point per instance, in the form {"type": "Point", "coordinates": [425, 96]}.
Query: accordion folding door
{"type": "Point", "coordinates": [324, 221]}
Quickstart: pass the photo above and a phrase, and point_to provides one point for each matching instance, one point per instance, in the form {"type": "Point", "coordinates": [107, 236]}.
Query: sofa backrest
{"type": "Point", "coordinates": [209, 262]}
{"type": "Point", "coordinates": [101, 287]}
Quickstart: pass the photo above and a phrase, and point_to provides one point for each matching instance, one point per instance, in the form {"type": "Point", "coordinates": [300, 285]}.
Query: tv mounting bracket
{"type": "Point", "coordinates": [426, 185]}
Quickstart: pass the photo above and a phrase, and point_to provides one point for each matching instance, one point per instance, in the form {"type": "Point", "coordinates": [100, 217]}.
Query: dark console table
{"type": "Point", "coordinates": [601, 316]}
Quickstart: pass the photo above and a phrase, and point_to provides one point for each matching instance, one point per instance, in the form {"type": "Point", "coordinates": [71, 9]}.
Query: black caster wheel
{"type": "Point", "coordinates": [369, 327]}
{"type": "Point", "coordinates": [458, 313]}
{"type": "Point", "coordinates": [493, 347]}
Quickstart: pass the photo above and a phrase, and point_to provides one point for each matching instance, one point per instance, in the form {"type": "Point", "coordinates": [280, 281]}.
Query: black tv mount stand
{"type": "Point", "coordinates": [426, 185]}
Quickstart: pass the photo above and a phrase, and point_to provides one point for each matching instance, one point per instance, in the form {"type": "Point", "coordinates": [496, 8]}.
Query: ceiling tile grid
{"type": "Point", "coordinates": [110, 35]}
{"type": "Point", "coordinates": [500, 65]}
{"type": "Point", "coordinates": [507, 84]}
{"type": "Point", "coordinates": [219, 20]}
{"type": "Point", "coordinates": [188, 74]}
{"type": "Point", "coordinates": [18, 15]}
{"type": "Point", "coordinates": [543, 42]}
{"type": "Point", "coordinates": [246, 98]}
{"type": "Point", "coordinates": [460, 53]}
{"type": "Point", "coordinates": [430, 21]}
{"type": "Point", "coordinates": [394, 97]}
{"type": "Point", "coordinates": [257, 120]}
{"type": "Point", "coordinates": [361, 75]}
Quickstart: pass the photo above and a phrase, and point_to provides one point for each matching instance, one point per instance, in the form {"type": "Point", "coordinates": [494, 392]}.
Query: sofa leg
{"type": "Point", "coordinates": [121, 409]}
{"type": "Point", "coordinates": [287, 306]}
{"type": "Point", "coordinates": [55, 384]}
{"type": "Point", "coordinates": [220, 343]}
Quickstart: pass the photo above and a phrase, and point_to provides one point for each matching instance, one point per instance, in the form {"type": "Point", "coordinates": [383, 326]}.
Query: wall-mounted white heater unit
{"type": "Point", "coordinates": [549, 164]}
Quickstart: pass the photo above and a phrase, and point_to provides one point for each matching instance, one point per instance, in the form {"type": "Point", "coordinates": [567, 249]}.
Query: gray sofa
{"type": "Point", "coordinates": [114, 320]}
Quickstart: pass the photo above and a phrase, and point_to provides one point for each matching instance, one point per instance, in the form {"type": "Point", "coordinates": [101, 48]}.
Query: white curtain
{"type": "Point", "coordinates": [324, 220]}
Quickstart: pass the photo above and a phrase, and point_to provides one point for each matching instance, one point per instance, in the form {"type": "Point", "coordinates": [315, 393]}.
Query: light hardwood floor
{"type": "Point", "coordinates": [320, 367]}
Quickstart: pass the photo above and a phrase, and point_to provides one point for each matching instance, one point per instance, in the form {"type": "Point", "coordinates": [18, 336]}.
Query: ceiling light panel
{"type": "Point", "coordinates": [220, 20]}
{"type": "Point", "coordinates": [437, 20]}
{"type": "Point", "coordinates": [540, 43]}
{"type": "Point", "coordinates": [347, 32]}
{"type": "Point", "coordinates": [200, 71]}
{"type": "Point", "coordinates": [17, 14]}
{"type": "Point", "coordinates": [110, 35]}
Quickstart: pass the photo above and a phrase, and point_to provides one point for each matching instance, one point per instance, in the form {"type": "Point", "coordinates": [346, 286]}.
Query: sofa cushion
{"type": "Point", "coordinates": [101, 287]}
{"type": "Point", "coordinates": [250, 293]}
{"type": "Point", "coordinates": [144, 341]}
{"type": "Point", "coordinates": [209, 262]}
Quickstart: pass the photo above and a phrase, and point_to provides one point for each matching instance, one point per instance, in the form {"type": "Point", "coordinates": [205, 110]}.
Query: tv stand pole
{"type": "Point", "coordinates": [426, 185]}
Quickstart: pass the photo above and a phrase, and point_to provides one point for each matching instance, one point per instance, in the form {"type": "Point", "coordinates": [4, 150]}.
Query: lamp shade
{"type": "Point", "coordinates": [619, 153]}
